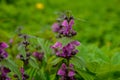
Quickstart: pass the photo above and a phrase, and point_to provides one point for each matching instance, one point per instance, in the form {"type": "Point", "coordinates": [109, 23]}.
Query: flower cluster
{"type": "Point", "coordinates": [21, 57]}
{"type": "Point", "coordinates": [66, 51]}
{"type": "Point", "coordinates": [24, 76]}
{"type": "Point", "coordinates": [3, 53]}
{"type": "Point", "coordinates": [64, 28]}
{"type": "Point", "coordinates": [3, 73]}
{"type": "Point", "coordinates": [25, 44]}
{"type": "Point", "coordinates": [38, 55]}
{"type": "Point", "coordinates": [66, 73]}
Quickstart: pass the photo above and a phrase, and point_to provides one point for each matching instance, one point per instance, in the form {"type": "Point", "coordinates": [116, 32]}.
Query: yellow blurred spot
{"type": "Point", "coordinates": [40, 6]}
{"type": "Point", "coordinates": [108, 44]}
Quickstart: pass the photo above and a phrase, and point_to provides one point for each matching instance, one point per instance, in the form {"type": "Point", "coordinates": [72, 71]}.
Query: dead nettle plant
{"type": "Point", "coordinates": [66, 48]}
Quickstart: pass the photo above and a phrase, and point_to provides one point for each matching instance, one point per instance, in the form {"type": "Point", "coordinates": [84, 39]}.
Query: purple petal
{"type": "Point", "coordinates": [22, 70]}
{"type": "Point", "coordinates": [74, 52]}
{"type": "Point", "coordinates": [35, 54]}
{"type": "Point", "coordinates": [77, 43]}
{"type": "Point", "coordinates": [57, 45]}
{"type": "Point", "coordinates": [7, 78]}
{"type": "Point", "coordinates": [5, 54]}
{"type": "Point", "coordinates": [70, 46]}
{"type": "Point", "coordinates": [62, 70]}
{"type": "Point", "coordinates": [55, 27]}
{"type": "Point", "coordinates": [58, 53]}
{"type": "Point", "coordinates": [6, 70]}
{"type": "Point", "coordinates": [71, 71]}
{"type": "Point", "coordinates": [71, 66]}
{"type": "Point", "coordinates": [71, 23]}
{"type": "Point", "coordinates": [3, 45]}
{"type": "Point", "coordinates": [65, 23]}
{"type": "Point", "coordinates": [40, 57]}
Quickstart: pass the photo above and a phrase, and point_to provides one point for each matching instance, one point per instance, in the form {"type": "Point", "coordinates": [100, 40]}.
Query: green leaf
{"type": "Point", "coordinates": [22, 50]}
{"type": "Point", "coordinates": [33, 62]}
{"type": "Point", "coordinates": [12, 66]}
{"type": "Point", "coordinates": [115, 60]}
{"type": "Point", "coordinates": [45, 45]}
{"type": "Point", "coordinates": [41, 75]}
{"type": "Point", "coordinates": [85, 75]}
{"type": "Point", "coordinates": [78, 62]}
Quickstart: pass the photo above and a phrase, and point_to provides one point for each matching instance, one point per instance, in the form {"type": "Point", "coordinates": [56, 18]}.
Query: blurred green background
{"type": "Point", "coordinates": [97, 21]}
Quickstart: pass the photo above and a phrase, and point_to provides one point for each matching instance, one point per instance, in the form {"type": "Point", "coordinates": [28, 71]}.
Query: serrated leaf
{"type": "Point", "coordinates": [115, 60]}
{"type": "Point", "coordinates": [45, 45]}
{"type": "Point", "coordinates": [22, 50]}
{"type": "Point", "coordinates": [33, 62]}
{"type": "Point", "coordinates": [85, 75]}
{"type": "Point", "coordinates": [12, 66]}
{"type": "Point", "coordinates": [78, 62]}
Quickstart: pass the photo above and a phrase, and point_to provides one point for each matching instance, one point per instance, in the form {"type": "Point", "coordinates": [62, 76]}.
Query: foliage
{"type": "Point", "coordinates": [97, 26]}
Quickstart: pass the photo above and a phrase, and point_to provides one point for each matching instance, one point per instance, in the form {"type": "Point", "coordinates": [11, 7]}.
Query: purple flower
{"type": "Point", "coordinates": [66, 73]}
{"type": "Point", "coordinates": [62, 71]}
{"type": "Point", "coordinates": [4, 71]}
{"type": "Point", "coordinates": [24, 76]}
{"type": "Point", "coordinates": [56, 27]}
{"type": "Point", "coordinates": [68, 31]}
{"type": "Point", "coordinates": [3, 45]}
{"type": "Point", "coordinates": [38, 55]}
{"type": "Point", "coordinates": [57, 45]}
{"type": "Point", "coordinates": [66, 51]}
{"type": "Point", "coordinates": [71, 71]}
{"type": "Point", "coordinates": [64, 27]}
{"type": "Point", "coordinates": [3, 53]}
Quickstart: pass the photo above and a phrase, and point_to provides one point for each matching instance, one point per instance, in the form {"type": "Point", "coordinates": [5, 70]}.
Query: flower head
{"type": "Point", "coordinates": [3, 45]}
{"type": "Point", "coordinates": [3, 53]}
{"type": "Point", "coordinates": [66, 73]}
{"type": "Point", "coordinates": [38, 55]}
{"type": "Point", "coordinates": [56, 27]}
{"type": "Point", "coordinates": [40, 6]}
{"type": "Point", "coordinates": [24, 76]}
{"type": "Point", "coordinates": [66, 51]}
{"type": "Point", "coordinates": [4, 71]}
{"type": "Point", "coordinates": [64, 27]}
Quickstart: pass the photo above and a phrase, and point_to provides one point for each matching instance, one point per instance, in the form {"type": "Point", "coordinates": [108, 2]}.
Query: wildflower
{"type": "Point", "coordinates": [25, 60]}
{"type": "Point", "coordinates": [24, 76]}
{"type": "Point", "coordinates": [57, 45]}
{"type": "Point", "coordinates": [67, 24]}
{"type": "Point", "coordinates": [3, 53]}
{"type": "Point", "coordinates": [25, 43]}
{"type": "Point", "coordinates": [3, 45]}
{"type": "Point", "coordinates": [56, 27]}
{"type": "Point", "coordinates": [4, 71]}
{"type": "Point", "coordinates": [66, 73]}
{"type": "Point", "coordinates": [38, 55]}
{"type": "Point", "coordinates": [64, 27]}
{"type": "Point", "coordinates": [66, 51]}
{"type": "Point", "coordinates": [40, 6]}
